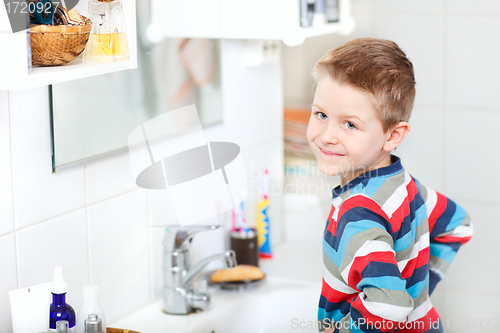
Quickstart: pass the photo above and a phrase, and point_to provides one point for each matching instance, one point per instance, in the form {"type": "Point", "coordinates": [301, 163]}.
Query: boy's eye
{"type": "Point", "coordinates": [349, 125]}
{"type": "Point", "coordinates": [321, 115]}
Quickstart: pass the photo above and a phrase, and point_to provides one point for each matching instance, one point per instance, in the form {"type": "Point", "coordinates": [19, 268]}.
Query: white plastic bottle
{"type": "Point", "coordinates": [90, 305]}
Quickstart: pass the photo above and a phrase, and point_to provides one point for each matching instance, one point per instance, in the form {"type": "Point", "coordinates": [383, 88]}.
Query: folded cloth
{"type": "Point", "coordinates": [65, 17]}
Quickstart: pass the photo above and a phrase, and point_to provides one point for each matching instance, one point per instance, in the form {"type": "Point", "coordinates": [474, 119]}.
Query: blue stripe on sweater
{"type": "Point", "coordinates": [442, 222]}
{"type": "Point", "coordinates": [457, 218]}
{"type": "Point", "coordinates": [379, 268]}
{"type": "Point", "coordinates": [417, 288]}
{"type": "Point", "coordinates": [442, 251]}
{"type": "Point", "coordinates": [387, 282]}
{"type": "Point", "coordinates": [344, 306]}
{"type": "Point", "coordinates": [352, 229]}
{"type": "Point", "coordinates": [407, 240]}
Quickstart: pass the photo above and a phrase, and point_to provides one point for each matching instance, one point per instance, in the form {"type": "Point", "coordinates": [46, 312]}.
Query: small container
{"type": "Point", "coordinates": [90, 305]}
{"type": "Point", "coordinates": [332, 11]}
{"type": "Point", "coordinates": [246, 247]}
{"type": "Point", "coordinates": [93, 324]}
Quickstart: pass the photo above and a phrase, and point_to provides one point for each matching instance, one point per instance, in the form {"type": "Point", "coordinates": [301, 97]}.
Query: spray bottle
{"type": "Point", "coordinates": [59, 309]}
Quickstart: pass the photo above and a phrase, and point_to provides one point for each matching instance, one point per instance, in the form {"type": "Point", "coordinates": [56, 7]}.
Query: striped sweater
{"type": "Point", "coordinates": [387, 243]}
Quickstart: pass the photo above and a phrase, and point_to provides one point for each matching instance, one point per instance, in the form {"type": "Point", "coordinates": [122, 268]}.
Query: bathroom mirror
{"type": "Point", "coordinates": [93, 117]}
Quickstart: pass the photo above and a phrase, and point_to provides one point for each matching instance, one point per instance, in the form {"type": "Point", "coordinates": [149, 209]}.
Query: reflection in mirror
{"type": "Point", "coordinates": [94, 116]}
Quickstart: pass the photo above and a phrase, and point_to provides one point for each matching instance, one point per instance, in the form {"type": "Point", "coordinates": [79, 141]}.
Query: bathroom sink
{"type": "Point", "coordinates": [276, 305]}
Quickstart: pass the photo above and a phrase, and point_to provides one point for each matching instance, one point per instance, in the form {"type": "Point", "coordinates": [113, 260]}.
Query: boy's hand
{"type": "Point", "coordinates": [329, 330]}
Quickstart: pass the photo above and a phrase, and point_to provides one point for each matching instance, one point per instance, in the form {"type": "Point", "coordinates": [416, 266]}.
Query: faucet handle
{"type": "Point", "coordinates": [200, 299]}
{"type": "Point", "coordinates": [179, 238]}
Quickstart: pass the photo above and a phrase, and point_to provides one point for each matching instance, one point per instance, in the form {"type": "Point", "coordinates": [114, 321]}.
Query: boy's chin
{"type": "Point", "coordinates": [330, 171]}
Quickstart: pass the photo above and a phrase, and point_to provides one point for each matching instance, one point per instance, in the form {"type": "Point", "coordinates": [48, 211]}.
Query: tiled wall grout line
{"type": "Point", "coordinates": [77, 209]}
{"type": "Point", "coordinates": [87, 221]}
{"type": "Point", "coordinates": [150, 249]}
{"type": "Point", "coordinates": [373, 23]}
{"type": "Point", "coordinates": [16, 247]}
{"type": "Point", "coordinates": [444, 166]}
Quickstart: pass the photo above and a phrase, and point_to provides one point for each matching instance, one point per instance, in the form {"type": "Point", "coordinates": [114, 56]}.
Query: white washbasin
{"type": "Point", "coordinates": [277, 305]}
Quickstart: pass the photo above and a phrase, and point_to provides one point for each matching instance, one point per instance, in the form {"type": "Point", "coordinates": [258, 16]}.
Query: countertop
{"type": "Point", "coordinates": [293, 265]}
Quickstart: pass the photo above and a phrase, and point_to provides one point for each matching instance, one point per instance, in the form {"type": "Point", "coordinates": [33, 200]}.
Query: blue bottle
{"type": "Point", "coordinates": [59, 309]}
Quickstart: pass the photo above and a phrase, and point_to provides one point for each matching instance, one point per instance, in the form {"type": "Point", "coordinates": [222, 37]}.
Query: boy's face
{"type": "Point", "coordinates": [344, 132]}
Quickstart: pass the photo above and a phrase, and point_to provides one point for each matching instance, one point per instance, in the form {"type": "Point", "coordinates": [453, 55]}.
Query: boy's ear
{"type": "Point", "coordinates": [396, 135]}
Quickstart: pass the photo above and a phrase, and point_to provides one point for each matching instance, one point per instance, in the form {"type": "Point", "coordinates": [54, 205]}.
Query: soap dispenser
{"type": "Point", "coordinates": [59, 309]}
{"type": "Point", "coordinates": [90, 306]}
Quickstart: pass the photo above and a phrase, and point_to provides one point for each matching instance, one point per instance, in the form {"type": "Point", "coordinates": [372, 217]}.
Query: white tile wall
{"type": "Point", "coordinates": [410, 5]}
{"type": "Point", "coordinates": [119, 252]}
{"type": "Point", "coordinates": [468, 288]}
{"type": "Point", "coordinates": [478, 6]}
{"type": "Point", "coordinates": [109, 177]}
{"type": "Point", "coordinates": [472, 154]}
{"type": "Point", "coordinates": [92, 218]}
{"type": "Point", "coordinates": [453, 144]}
{"type": "Point", "coordinates": [61, 241]}
{"type": "Point", "coordinates": [6, 209]}
{"type": "Point", "coordinates": [38, 194]}
{"type": "Point", "coordinates": [8, 279]}
{"type": "Point", "coordinates": [156, 235]}
{"type": "Point", "coordinates": [472, 64]}
{"type": "Point", "coordinates": [425, 137]}
{"type": "Point", "coordinates": [427, 61]}
{"type": "Point", "coordinates": [467, 272]}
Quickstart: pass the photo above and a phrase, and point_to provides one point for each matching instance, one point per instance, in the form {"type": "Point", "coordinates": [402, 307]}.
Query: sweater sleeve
{"type": "Point", "coordinates": [369, 267]}
{"type": "Point", "coordinates": [450, 227]}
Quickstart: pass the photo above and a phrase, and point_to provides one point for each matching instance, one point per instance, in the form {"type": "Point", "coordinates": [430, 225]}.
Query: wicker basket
{"type": "Point", "coordinates": [119, 330]}
{"type": "Point", "coordinates": [58, 44]}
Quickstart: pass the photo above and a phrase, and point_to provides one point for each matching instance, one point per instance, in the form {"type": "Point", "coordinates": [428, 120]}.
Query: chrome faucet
{"type": "Point", "coordinates": [179, 296]}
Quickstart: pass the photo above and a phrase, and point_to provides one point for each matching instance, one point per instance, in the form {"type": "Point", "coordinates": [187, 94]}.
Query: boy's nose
{"type": "Point", "coordinates": [329, 134]}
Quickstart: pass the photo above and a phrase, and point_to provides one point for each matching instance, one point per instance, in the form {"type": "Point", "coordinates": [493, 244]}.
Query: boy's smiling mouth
{"type": "Point", "coordinates": [329, 153]}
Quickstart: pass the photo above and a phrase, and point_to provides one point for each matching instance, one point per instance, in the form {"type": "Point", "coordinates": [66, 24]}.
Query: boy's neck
{"type": "Point", "coordinates": [385, 160]}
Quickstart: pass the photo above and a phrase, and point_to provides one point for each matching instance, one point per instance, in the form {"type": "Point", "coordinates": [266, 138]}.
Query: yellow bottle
{"type": "Point", "coordinates": [106, 47]}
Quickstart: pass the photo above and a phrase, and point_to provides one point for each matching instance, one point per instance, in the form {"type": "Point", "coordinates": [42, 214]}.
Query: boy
{"type": "Point", "coordinates": [388, 238]}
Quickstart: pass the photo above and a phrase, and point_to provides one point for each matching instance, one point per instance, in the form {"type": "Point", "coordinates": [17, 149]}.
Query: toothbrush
{"type": "Point", "coordinates": [233, 220]}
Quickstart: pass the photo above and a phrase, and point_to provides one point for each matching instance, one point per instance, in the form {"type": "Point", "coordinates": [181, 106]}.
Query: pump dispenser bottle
{"type": "Point", "coordinates": [90, 306]}
{"type": "Point", "coordinates": [59, 309]}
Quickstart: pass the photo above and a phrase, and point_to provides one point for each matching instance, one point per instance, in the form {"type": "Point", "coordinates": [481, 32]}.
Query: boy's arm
{"type": "Point", "coordinates": [450, 227]}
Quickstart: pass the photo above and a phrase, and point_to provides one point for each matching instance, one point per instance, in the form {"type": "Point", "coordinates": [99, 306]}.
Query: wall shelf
{"type": "Point", "coordinates": [241, 19]}
{"type": "Point", "coordinates": [14, 66]}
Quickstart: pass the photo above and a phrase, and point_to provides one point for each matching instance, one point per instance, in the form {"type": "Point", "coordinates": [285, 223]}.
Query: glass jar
{"type": "Point", "coordinates": [108, 40]}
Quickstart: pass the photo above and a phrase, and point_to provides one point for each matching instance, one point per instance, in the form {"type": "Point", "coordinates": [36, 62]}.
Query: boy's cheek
{"type": "Point", "coordinates": [309, 136]}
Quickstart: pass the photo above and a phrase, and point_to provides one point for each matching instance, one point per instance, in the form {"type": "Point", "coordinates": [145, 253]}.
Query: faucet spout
{"type": "Point", "coordinates": [179, 295]}
{"type": "Point", "coordinates": [228, 257]}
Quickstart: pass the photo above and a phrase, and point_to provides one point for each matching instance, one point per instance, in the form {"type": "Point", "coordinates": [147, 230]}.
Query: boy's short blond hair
{"type": "Point", "coordinates": [376, 66]}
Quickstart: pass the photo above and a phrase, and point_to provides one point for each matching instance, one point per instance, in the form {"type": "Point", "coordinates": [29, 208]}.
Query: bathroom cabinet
{"type": "Point", "coordinates": [241, 19]}
{"type": "Point", "coordinates": [14, 71]}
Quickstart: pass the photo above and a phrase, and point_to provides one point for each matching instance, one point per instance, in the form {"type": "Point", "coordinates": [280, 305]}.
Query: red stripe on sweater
{"type": "Point", "coordinates": [335, 296]}
{"type": "Point", "coordinates": [437, 211]}
{"type": "Point", "coordinates": [421, 260]}
{"type": "Point", "coordinates": [453, 239]}
{"type": "Point", "coordinates": [361, 201]}
{"type": "Point", "coordinates": [360, 263]}
{"type": "Point", "coordinates": [403, 210]}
